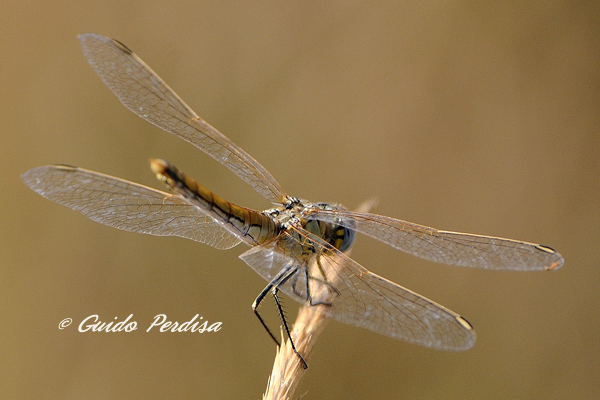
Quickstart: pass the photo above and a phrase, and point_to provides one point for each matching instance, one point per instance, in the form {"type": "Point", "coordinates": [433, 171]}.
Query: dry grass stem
{"type": "Point", "coordinates": [287, 369]}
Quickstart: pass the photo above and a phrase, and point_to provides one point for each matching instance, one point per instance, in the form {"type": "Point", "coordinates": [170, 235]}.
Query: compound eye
{"type": "Point", "coordinates": [348, 241]}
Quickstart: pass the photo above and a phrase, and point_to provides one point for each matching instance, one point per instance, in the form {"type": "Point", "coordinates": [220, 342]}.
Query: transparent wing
{"type": "Point", "coordinates": [142, 91]}
{"type": "Point", "coordinates": [126, 205]}
{"type": "Point", "coordinates": [447, 247]}
{"type": "Point", "coordinates": [359, 297]}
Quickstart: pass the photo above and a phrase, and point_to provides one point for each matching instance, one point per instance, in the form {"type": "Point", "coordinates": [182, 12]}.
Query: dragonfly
{"type": "Point", "coordinates": [299, 247]}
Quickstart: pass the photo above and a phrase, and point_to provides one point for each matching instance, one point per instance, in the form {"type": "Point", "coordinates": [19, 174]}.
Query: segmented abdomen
{"type": "Point", "coordinates": [252, 226]}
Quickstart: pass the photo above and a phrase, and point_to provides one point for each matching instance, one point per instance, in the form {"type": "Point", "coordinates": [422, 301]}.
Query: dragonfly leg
{"type": "Point", "coordinates": [307, 292]}
{"type": "Point", "coordinates": [294, 285]}
{"type": "Point", "coordinates": [321, 270]}
{"type": "Point", "coordinates": [330, 289]}
{"type": "Point", "coordinates": [319, 281]}
{"type": "Point", "coordinates": [285, 325]}
{"type": "Point", "coordinates": [255, 305]}
{"type": "Point", "coordinates": [273, 287]}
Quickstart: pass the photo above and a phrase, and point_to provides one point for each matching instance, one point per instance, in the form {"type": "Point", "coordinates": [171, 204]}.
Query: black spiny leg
{"type": "Point", "coordinates": [285, 325]}
{"type": "Point", "coordinates": [255, 305]}
{"type": "Point", "coordinates": [273, 287]}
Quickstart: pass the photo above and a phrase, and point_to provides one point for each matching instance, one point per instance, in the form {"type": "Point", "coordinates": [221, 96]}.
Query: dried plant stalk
{"type": "Point", "coordinates": [287, 369]}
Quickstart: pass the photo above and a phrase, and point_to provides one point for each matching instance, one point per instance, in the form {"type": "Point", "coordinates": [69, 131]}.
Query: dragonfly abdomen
{"type": "Point", "coordinates": [251, 226]}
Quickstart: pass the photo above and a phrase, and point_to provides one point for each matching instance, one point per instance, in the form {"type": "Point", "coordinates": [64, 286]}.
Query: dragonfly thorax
{"type": "Point", "coordinates": [339, 236]}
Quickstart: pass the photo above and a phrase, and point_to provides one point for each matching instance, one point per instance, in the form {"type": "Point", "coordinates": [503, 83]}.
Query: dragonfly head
{"type": "Point", "coordinates": [338, 234]}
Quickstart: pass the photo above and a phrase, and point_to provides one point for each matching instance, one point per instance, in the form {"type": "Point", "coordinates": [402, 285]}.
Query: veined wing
{"type": "Point", "coordinates": [126, 205]}
{"type": "Point", "coordinates": [359, 297]}
{"type": "Point", "coordinates": [447, 247]}
{"type": "Point", "coordinates": [142, 91]}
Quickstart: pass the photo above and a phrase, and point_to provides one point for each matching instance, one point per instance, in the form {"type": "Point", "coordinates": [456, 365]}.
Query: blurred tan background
{"type": "Point", "coordinates": [473, 117]}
